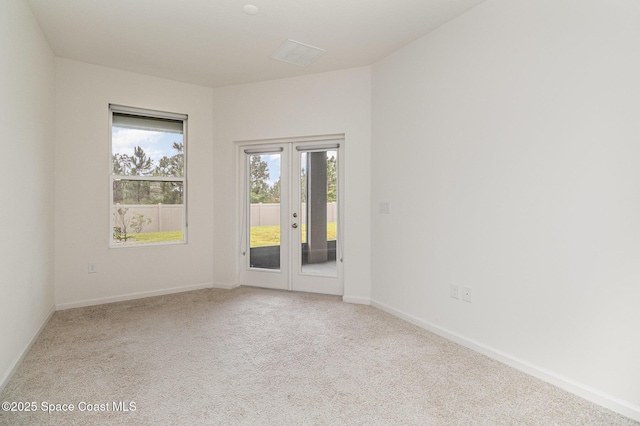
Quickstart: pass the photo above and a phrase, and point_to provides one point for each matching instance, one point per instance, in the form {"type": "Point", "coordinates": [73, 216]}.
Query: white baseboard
{"type": "Point", "coordinates": [225, 286]}
{"type": "Point", "coordinates": [608, 401]}
{"type": "Point", "coordinates": [14, 367]}
{"type": "Point", "coordinates": [356, 300]}
{"type": "Point", "coordinates": [132, 296]}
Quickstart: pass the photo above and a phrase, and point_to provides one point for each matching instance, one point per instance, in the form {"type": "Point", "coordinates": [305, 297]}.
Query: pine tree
{"type": "Point", "coordinates": [259, 175]}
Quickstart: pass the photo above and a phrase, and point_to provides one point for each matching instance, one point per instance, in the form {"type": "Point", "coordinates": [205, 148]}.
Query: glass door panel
{"type": "Point", "coordinates": [319, 207]}
{"type": "Point", "coordinates": [264, 211]}
{"type": "Point", "coordinates": [264, 236]}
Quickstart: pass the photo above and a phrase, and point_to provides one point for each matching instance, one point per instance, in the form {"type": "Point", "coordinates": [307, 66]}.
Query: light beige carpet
{"type": "Point", "coordinates": [252, 357]}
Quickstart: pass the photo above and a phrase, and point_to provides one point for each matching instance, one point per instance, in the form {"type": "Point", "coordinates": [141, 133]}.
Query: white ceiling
{"type": "Point", "coordinates": [214, 43]}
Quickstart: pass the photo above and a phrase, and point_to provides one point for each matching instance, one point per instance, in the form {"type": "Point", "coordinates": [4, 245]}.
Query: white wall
{"type": "Point", "coordinates": [515, 129]}
{"type": "Point", "coordinates": [83, 94]}
{"type": "Point", "coordinates": [27, 119]}
{"type": "Point", "coordinates": [329, 103]}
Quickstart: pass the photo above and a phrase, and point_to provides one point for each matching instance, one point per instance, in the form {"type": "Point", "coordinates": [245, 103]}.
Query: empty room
{"type": "Point", "coordinates": [320, 212]}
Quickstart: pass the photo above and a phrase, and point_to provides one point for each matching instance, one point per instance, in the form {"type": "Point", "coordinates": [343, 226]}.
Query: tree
{"type": "Point", "coordinates": [177, 161]}
{"type": "Point", "coordinates": [303, 184]}
{"type": "Point", "coordinates": [137, 164]}
{"type": "Point", "coordinates": [141, 165]}
{"type": "Point", "coordinates": [171, 166]}
{"type": "Point", "coordinates": [138, 222]}
{"type": "Point", "coordinates": [122, 224]}
{"type": "Point", "coordinates": [332, 176]}
{"type": "Point", "coordinates": [259, 177]}
{"type": "Point", "coordinates": [121, 164]}
{"type": "Point", "coordinates": [171, 192]}
{"type": "Point", "coordinates": [146, 192]}
{"type": "Point", "coordinates": [274, 192]}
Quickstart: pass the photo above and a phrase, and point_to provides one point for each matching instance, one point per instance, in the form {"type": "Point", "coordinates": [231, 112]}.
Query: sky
{"type": "Point", "coordinates": [155, 144]}
{"type": "Point", "coordinates": [273, 166]}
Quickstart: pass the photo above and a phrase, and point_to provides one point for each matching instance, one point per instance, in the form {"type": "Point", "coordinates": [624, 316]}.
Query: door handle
{"type": "Point", "coordinates": [295, 225]}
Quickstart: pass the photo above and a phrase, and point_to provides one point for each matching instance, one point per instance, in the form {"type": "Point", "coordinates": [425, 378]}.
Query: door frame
{"type": "Point", "coordinates": [241, 237]}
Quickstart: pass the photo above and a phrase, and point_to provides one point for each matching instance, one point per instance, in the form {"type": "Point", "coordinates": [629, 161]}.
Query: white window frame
{"type": "Point", "coordinates": [112, 177]}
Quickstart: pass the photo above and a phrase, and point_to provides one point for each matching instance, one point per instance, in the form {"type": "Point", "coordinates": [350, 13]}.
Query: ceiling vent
{"type": "Point", "coordinates": [297, 53]}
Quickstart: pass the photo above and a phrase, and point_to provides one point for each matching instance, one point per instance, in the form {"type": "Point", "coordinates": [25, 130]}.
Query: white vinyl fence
{"type": "Point", "coordinates": [169, 217]}
{"type": "Point", "coordinates": [164, 217]}
{"type": "Point", "coordinates": [269, 214]}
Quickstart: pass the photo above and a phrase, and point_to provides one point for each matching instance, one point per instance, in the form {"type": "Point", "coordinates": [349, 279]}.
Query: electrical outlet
{"type": "Point", "coordinates": [455, 291]}
{"type": "Point", "coordinates": [466, 294]}
{"type": "Point", "coordinates": [92, 268]}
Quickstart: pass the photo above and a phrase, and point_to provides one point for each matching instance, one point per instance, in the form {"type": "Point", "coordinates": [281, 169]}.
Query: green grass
{"type": "Point", "coordinates": [155, 237]}
{"type": "Point", "coordinates": [262, 236]}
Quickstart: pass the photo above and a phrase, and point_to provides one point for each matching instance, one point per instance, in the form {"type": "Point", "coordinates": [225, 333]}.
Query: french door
{"type": "Point", "coordinates": [291, 232]}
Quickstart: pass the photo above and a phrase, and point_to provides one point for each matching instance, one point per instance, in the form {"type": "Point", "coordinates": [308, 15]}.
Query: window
{"type": "Point", "coordinates": [148, 177]}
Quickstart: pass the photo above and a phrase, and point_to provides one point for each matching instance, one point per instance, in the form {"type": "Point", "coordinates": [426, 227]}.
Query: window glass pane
{"type": "Point", "coordinates": [142, 146]}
